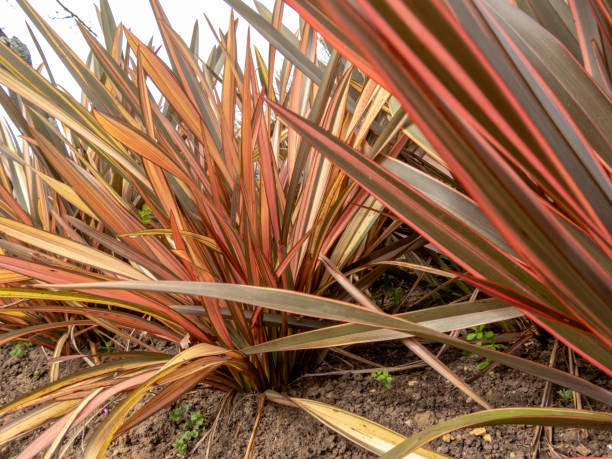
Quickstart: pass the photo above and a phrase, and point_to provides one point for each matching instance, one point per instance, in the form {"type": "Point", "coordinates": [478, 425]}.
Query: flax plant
{"type": "Point", "coordinates": [242, 214]}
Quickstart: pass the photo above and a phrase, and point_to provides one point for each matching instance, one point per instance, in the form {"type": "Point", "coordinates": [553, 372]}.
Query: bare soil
{"type": "Point", "coordinates": [417, 399]}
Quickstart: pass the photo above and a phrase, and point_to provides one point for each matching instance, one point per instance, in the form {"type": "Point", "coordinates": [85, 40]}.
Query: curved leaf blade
{"type": "Point", "coordinates": [531, 416]}
{"type": "Point", "coordinates": [304, 304]}
{"type": "Point", "coordinates": [368, 434]}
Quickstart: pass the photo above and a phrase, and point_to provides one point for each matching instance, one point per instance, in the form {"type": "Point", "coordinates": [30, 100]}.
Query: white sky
{"type": "Point", "coordinates": [138, 17]}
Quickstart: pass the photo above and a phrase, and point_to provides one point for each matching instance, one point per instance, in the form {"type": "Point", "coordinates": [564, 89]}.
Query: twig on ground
{"type": "Point", "coordinates": [213, 427]}
{"type": "Point", "coordinates": [577, 398]}
{"type": "Point", "coordinates": [260, 404]}
{"type": "Point", "coordinates": [546, 394]}
{"type": "Point", "coordinates": [350, 355]}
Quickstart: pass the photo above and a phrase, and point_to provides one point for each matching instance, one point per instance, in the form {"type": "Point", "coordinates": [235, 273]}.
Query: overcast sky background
{"type": "Point", "coordinates": [135, 15]}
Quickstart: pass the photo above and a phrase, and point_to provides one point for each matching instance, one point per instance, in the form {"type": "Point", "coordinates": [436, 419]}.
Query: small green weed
{"type": "Point", "coordinates": [21, 349]}
{"type": "Point", "coordinates": [566, 394]}
{"type": "Point", "coordinates": [395, 294]}
{"type": "Point", "coordinates": [145, 214]}
{"type": "Point", "coordinates": [177, 413]}
{"type": "Point", "coordinates": [479, 333]}
{"type": "Point", "coordinates": [388, 294]}
{"type": "Point", "coordinates": [109, 346]}
{"type": "Point", "coordinates": [105, 345]}
{"type": "Point", "coordinates": [482, 338]}
{"type": "Point", "coordinates": [36, 373]}
{"type": "Point", "coordinates": [392, 296]}
{"type": "Point", "coordinates": [192, 423]}
{"type": "Point", "coordinates": [383, 377]}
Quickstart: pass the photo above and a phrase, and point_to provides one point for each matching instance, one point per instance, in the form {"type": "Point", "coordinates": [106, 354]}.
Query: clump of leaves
{"type": "Point", "coordinates": [483, 338]}
{"type": "Point", "coordinates": [193, 424]}
{"type": "Point", "coordinates": [21, 349]}
{"type": "Point", "coordinates": [245, 207]}
{"type": "Point", "coordinates": [206, 185]}
{"type": "Point", "coordinates": [383, 377]}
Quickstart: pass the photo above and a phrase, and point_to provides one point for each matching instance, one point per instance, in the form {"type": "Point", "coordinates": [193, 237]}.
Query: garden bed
{"type": "Point", "coordinates": [415, 400]}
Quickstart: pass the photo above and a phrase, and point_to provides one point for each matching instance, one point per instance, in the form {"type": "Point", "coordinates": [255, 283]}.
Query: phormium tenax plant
{"type": "Point", "coordinates": [243, 214]}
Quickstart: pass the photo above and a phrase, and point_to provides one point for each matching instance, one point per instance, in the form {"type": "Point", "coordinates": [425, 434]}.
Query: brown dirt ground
{"type": "Point", "coordinates": [416, 399]}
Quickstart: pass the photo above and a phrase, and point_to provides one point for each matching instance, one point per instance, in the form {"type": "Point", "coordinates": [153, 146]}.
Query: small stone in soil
{"type": "Point", "coordinates": [478, 431]}
{"type": "Point", "coordinates": [583, 450]}
{"type": "Point", "coordinates": [571, 435]}
{"type": "Point", "coordinates": [424, 419]}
